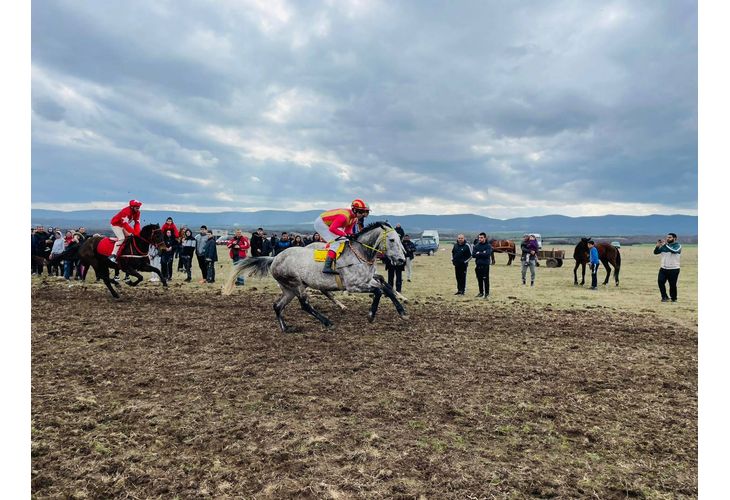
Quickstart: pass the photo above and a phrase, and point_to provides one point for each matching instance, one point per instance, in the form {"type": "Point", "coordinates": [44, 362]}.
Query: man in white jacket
{"type": "Point", "coordinates": [670, 251]}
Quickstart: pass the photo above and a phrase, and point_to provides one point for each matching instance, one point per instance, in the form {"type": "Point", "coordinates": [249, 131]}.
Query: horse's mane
{"type": "Point", "coordinates": [377, 224]}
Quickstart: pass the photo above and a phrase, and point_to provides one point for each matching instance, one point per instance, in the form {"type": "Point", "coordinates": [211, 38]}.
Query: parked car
{"type": "Point", "coordinates": [426, 245]}
{"type": "Point", "coordinates": [431, 233]}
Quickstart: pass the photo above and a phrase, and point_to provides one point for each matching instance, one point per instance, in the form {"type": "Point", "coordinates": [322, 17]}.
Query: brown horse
{"type": "Point", "coordinates": [131, 259]}
{"type": "Point", "coordinates": [607, 253]}
{"type": "Point", "coordinates": [503, 246]}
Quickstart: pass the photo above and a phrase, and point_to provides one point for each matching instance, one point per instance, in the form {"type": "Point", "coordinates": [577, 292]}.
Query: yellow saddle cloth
{"type": "Point", "coordinates": [321, 255]}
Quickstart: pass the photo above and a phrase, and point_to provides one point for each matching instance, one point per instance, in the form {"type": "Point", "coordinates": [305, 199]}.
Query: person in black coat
{"type": "Point", "coordinates": [482, 257]}
{"type": "Point", "coordinates": [460, 255]}
{"type": "Point", "coordinates": [211, 257]}
{"type": "Point", "coordinates": [257, 242]}
{"type": "Point", "coordinates": [394, 271]}
{"type": "Point", "coordinates": [168, 255]}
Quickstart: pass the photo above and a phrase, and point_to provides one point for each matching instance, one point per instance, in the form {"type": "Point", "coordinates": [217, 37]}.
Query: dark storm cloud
{"type": "Point", "coordinates": [484, 107]}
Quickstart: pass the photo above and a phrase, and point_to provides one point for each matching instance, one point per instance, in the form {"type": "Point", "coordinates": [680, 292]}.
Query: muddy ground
{"type": "Point", "coordinates": [167, 394]}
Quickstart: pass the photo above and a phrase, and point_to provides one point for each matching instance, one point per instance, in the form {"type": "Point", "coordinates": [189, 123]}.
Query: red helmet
{"type": "Point", "coordinates": [135, 203]}
{"type": "Point", "coordinates": [360, 205]}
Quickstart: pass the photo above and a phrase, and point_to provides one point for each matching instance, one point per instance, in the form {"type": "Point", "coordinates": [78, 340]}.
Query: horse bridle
{"type": "Point", "coordinates": [376, 248]}
{"type": "Point", "coordinates": [149, 243]}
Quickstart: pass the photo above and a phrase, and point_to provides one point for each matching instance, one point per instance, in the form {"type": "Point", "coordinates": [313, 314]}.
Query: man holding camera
{"type": "Point", "coordinates": [670, 251]}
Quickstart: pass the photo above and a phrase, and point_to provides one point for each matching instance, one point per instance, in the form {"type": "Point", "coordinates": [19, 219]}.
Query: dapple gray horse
{"type": "Point", "coordinates": [295, 270]}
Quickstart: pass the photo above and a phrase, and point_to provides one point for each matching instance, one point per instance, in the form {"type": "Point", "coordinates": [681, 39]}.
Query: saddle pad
{"type": "Point", "coordinates": [321, 255]}
{"type": "Point", "coordinates": [105, 247]}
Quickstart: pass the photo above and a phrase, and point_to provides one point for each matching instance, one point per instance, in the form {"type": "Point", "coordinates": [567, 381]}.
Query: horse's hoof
{"type": "Point", "coordinates": [371, 317]}
{"type": "Point", "coordinates": [405, 316]}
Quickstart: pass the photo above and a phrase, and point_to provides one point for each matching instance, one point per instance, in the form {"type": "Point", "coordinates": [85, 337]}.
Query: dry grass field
{"type": "Point", "coordinates": [546, 392]}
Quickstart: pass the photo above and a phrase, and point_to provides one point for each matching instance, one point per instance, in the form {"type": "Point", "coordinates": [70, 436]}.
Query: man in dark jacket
{"type": "Point", "coordinates": [37, 248]}
{"type": "Point", "coordinates": [460, 255]}
{"type": "Point", "coordinates": [210, 253]}
{"type": "Point", "coordinates": [257, 242]}
{"type": "Point", "coordinates": [401, 232]}
{"type": "Point", "coordinates": [482, 257]}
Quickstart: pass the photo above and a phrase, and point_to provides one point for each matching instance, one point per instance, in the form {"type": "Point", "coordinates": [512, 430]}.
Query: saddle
{"type": "Point", "coordinates": [321, 255]}
{"type": "Point", "coordinates": [106, 245]}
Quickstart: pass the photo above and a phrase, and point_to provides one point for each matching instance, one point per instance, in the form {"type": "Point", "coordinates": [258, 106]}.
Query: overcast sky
{"type": "Point", "coordinates": [497, 108]}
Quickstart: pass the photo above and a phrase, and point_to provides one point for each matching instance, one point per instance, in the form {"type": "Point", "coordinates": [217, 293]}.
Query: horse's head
{"type": "Point", "coordinates": [153, 234]}
{"type": "Point", "coordinates": [381, 236]}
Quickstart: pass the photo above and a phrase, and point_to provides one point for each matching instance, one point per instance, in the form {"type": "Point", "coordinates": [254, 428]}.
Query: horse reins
{"type": "Point", "coordinates": [382, 237]}
{"type": "Point", "coordinates": [134, 244]}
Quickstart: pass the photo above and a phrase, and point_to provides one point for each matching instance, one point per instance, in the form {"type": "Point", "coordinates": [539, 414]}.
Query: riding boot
{"type": "Point", "coordinates": [328, 266]}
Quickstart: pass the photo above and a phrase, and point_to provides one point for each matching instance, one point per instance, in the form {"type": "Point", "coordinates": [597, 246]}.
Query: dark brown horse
{"type": "Point", "coordinates": [503, 246]}
{"type": "Point", "coordinates": [131, 259]}
{"type": "Point", "coordinates": [607, 253]}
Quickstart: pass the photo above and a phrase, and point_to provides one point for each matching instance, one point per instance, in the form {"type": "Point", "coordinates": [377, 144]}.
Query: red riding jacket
{"type": "Point", "coordinates": [124, 217]}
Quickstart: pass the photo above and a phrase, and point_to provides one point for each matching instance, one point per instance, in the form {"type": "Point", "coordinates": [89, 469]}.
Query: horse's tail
{"type": "Point", "coordinates": [618, 258]}
{"type": "Point", "coordinates": [256, 266]}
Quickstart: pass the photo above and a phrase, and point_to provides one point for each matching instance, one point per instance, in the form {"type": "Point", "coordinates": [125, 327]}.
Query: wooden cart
{"type": "Point", "coordinates": [552, 258]}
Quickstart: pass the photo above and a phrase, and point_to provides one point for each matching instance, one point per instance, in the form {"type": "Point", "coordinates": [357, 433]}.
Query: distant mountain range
{"type": "Point", "coordinates": [547, 225]}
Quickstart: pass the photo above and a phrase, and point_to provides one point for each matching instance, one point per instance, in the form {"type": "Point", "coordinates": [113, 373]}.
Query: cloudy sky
{"type": "Point", "coordinates": [497, 108]}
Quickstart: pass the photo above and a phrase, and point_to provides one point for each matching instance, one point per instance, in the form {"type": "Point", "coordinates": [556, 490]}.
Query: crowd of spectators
{"type": "Point", "coordinates": [180, 243]}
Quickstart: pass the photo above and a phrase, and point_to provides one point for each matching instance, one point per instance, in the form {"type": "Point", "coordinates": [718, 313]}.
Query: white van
{"type": "Point", "coordinates": [431, 233]}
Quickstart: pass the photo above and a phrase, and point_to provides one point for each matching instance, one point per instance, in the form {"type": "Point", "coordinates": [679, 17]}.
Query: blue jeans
{"type": "Point", "coordinates": [68, 269]}
{"type": "Point", "coordinates": [240, 280]}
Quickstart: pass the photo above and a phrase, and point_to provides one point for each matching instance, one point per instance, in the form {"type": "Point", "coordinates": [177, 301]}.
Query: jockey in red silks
{"type": "Point", "coordinates": [334, 225]}
{"type": "Point", "coordinates": [126, 222]}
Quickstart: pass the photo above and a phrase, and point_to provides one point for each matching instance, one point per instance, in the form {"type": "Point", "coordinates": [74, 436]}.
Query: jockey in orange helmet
{"type": "Point", "coordinates": [334, 225]}
{"type": "Point", "coordinates": [126, 222]}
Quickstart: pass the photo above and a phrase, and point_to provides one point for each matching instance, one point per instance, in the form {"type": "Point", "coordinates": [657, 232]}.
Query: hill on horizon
{"type": "Point", "coordinates": [547, 225]}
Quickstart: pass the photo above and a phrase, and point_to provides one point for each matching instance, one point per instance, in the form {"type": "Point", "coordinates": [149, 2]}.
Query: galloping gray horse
{"type": "Point", "coordinates": [296, 270]}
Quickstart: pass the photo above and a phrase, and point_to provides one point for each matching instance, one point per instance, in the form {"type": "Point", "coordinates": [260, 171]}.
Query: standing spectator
{"type": "Point", "coordinates": [155, 261]}
{"type": "Point", "coordinates": [70, 254]}
{"type": "Point", "coordinates": [187, 249]}
{"type": "Point", "coordinates": [38, 246]}
{"type": "Point", "coordinates": [171, 226]}
{"type": "Point", "coordinates": [410, 253]}
{"type": "Point", "coordinates": [594, 262]}
{"type": "Point", "coordinates": [257, 242]}
{"type": "Point", "coordinates": [273, 241]}
{"type": "Point", "coordinates": [282, 244]}
{"type": "Point", "coordinates": [482, 258]}
{"type": "Point", "coordinates": [401, 232]}
{"type": "Point", "coordinates": [394, 270]}
{"type": "Point", "coordinates": [201, 238]}
{"type": "Point", "coordinates": [670, 251]}
{"type": "Point", "coordinates": [238, 246]}
{"type": "Point", "coordinates": [56, 250]}
{"type": "Point", "coordinates": [210, 253]}
{"type": "Point", "coordinates": [178, 252]}
{"type": "Point", "coordinates": [82, 232]}
{"type": "Point", "coordinates": [529, 257]}
{"type": "Point", "coordinates": [460, 255]}
{"type": "Point", "coordinates": [298, 242]}
{"type": "Point", "coordinates": [168, 255]}
{"type": "Point", "coordinates": [266, 247]}
{"type": "Point", "coordinates": [316, 238]}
